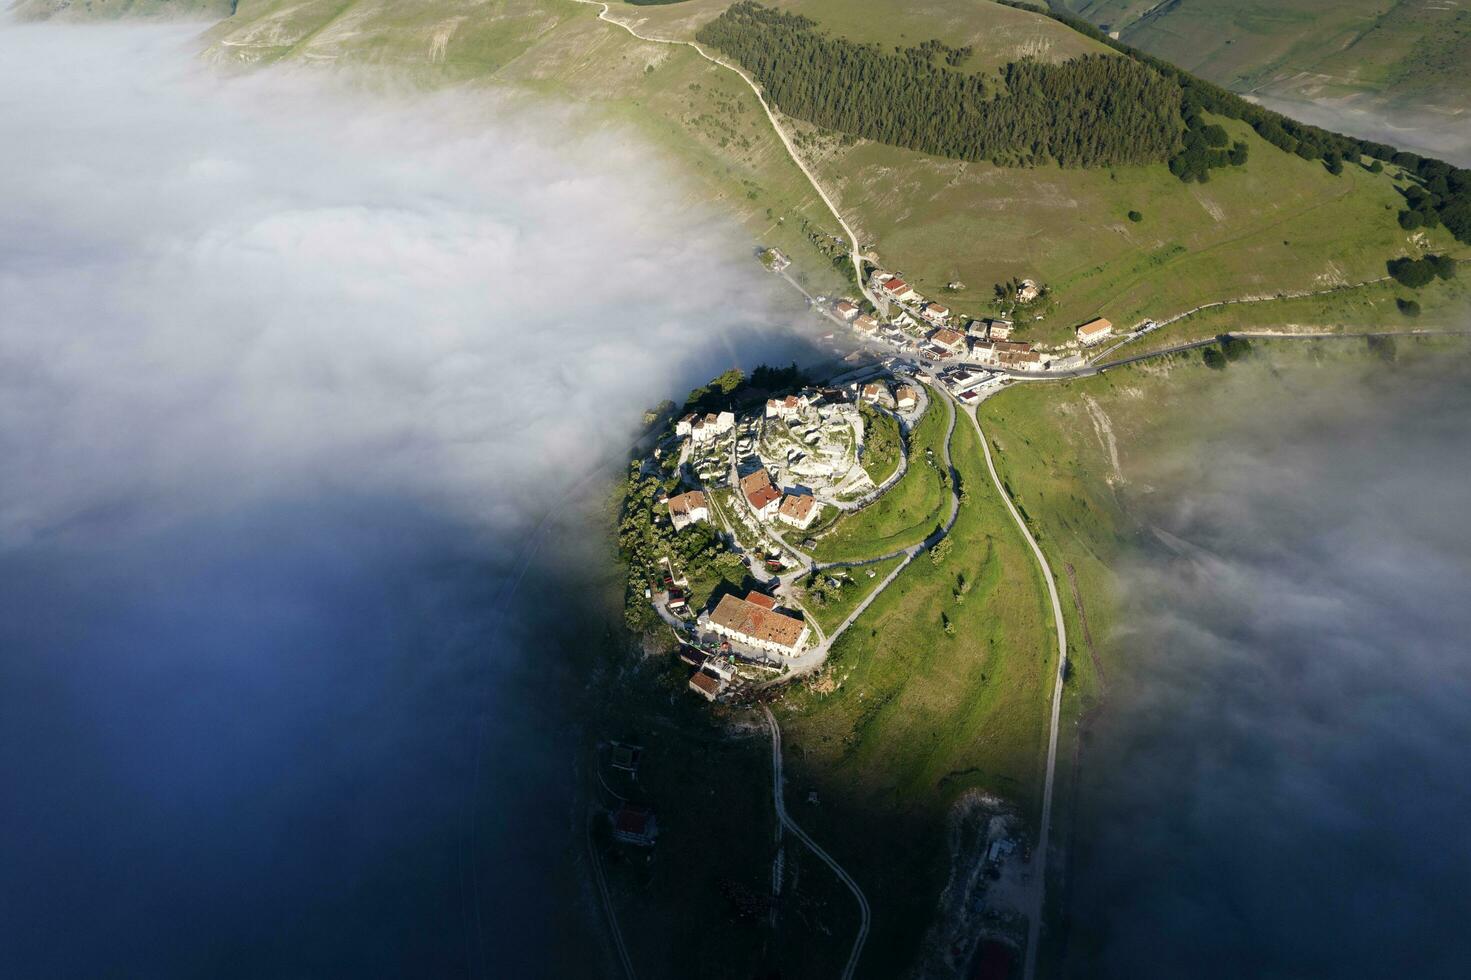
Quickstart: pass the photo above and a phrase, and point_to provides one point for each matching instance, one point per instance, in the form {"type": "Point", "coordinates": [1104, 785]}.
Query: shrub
{"type": "Point", "coordinates": [1413, 273]}
{"type": "Point", "coordinates": [1444, 265]}
{"type": "Point", "coordinates": [1408, 307]}
{"type": "Point", "coordinates": [1410, 220]}
{"type": "Point", "coordinates": [1135, 217]}
{"type": "Point", "coordinates": [1235, 348]}
{"type": "Point", "coordinates": [1214, 359]}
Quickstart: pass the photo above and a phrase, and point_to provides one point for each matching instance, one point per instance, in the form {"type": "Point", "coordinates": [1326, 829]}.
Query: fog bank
{"type": "Point", "coordinates": [1276, 786]}
{"type": "Point", "coordinates": [289, 378]}
{"type": "Point", "coordinates": [1442, 135]}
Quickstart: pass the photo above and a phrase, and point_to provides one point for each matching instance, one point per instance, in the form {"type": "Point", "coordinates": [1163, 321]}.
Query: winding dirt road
{"type": "Point", "coordinates": [781, 133]}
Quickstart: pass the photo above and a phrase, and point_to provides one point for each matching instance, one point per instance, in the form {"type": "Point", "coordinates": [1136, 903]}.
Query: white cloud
{"type": "Point", "coordinates": [210, 285]}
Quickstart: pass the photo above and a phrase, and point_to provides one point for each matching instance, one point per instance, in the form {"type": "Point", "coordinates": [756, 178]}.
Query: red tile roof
{"type": "Point", "coordinates": [756, 621]}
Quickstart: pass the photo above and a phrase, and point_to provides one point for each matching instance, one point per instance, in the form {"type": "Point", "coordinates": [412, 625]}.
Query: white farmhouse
{"type": "Point", "coordinates": [687, 508]}
{"type": "Point", "coordinates": [755, 622]}
{"type": "Point", "coordinates": [1093, 331]}
{"type": "Point", "coordinates": [763, 498]}
{"type": "Point", "coordinates": [798, 510]}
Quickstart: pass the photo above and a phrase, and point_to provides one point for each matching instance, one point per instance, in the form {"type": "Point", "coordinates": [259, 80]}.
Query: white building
{"type": "Point", "coordinates": [755, 622]}
{"type": "Point", "coordinates": [906, 398]}
{"type": "Point", "coordinates": [760, 494]}
{"type": "Point", "coordinates": [876, 393]}
{"type": "Point", "coordinates": [898, 290]}
{"type": "Point", "coordinates": [846, 310]}
{"type": "Point", "coordinates": [711, 426]}
{"type": "Point", "coordinates": [1093, 331]}
{"type": "Point", "coordinates": [786, 408]}
{"type": "Point", "coordinates": [798, 510]}
{"type": "Point", "coordinates": [687, 508]}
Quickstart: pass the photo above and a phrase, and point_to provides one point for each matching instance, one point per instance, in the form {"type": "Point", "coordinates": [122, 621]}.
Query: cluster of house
{"type": "Point", "coordinates": [769, 503]}
{"type": "Point", "coordinates": [986, 341]}
{"type": "Point", "coordinates": [905, 398]}
{"type": "Point", "coordinates": [705, 428]}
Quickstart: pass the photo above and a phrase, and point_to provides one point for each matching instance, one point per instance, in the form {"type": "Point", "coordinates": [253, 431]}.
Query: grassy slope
{"type": "Point", "coordinates": [1404, 51]}
{"type": "Point", "coordinates": [920, 715]}
{"type": "Point", "coordinates": [998, 34]}
{"type": "Point", "coordinates": [843, 600]}
{"type": "Point", "coordinates": [905, 514]}
{"type": "Point", "coordinates": [1279, 223]}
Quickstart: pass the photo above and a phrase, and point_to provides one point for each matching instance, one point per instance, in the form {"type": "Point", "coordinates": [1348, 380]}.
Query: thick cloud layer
{"type": "Point", "coordinates": [1277, 786]}
{"type": "Point", "coordinates": [288, 379]}
{"type": "Point", "coordinates": [1441, 135]}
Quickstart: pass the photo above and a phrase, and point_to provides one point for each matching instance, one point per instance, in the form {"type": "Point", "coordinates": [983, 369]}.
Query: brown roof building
{"type": "Point", "coordinates": [753, 623]}
{"type": "Point", "coordinates": [951, 340]}
{"type": "Point", "coordinates": [705, 685]}
{"type": "Point", "coordinates": [1094, 330]}
{"type": "Point", "coordinates": [760, 494]}
{"type": "Point", "coordinates": [688, 508]}
{"type": "Point", "coordinates": [635, 825]}
{"type": "Point", "coordinates": [799, 510]}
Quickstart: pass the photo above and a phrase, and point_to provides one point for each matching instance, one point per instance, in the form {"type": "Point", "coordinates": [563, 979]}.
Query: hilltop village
{"type": "Point", "coordinates": [744, 526]}
{"type": "Point", "coordinates": [730, 505]}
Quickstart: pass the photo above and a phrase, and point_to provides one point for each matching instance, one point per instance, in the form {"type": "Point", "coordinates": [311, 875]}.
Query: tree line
{"type": "Point", "coordinates": [1444, 194]}
{"type": "Point", "coordinates": [1095, 110]}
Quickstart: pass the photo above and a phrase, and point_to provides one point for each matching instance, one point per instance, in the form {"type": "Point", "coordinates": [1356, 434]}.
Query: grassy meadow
{"type": "Point", "coordinates": [1277, 224]}
{"type": "Point", "coordinates": [831, 605]}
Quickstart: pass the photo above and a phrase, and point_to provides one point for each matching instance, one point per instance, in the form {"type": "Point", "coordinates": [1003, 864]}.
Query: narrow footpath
{"type": "Point", "coordinates": [778, 787]}
{"type": "Point", "coordinates": [1039, 884]}
{"type": "Point", "coordinates": [791, 148]}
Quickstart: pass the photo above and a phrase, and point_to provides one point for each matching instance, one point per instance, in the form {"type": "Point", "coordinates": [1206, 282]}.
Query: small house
{"type": "Point", "coordinates": [1093, 331]}
{"type": "Point", "coordinates": [798, 510]}
{"type": "Point", "coordinates": [634, 825]}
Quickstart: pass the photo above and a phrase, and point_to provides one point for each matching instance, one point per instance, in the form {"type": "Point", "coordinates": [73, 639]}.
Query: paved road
{"type": "Point", "coordinates": [1034, 915]}
{"type": "Point", "coordinates": [778, 784]}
